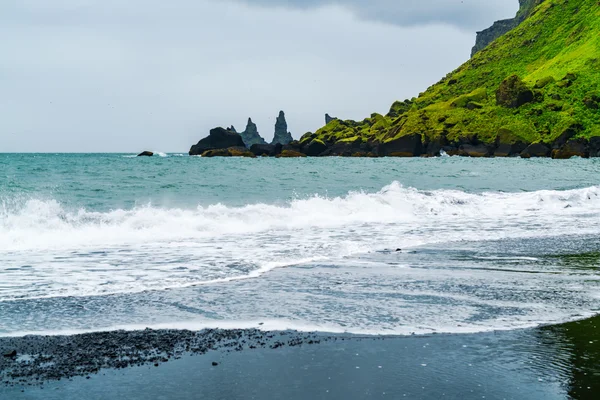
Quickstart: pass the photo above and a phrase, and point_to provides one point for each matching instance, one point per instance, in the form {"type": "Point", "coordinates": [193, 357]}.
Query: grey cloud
{"type": "Point", "coordinates": [113, 75]}
{"type": "Point", "coordinates": [466, 14]}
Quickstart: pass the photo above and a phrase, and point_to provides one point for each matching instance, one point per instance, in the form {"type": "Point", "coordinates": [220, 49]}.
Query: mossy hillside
{"type": "Point", "coordinates": [555, 53]}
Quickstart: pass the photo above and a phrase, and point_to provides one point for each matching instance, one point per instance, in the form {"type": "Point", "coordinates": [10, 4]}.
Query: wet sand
{"type": "Point", "coordinates": [559, 362]}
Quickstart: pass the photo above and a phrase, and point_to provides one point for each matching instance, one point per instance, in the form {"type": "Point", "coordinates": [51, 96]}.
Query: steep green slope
{"type": "Point", "coordinates": [538, 83]}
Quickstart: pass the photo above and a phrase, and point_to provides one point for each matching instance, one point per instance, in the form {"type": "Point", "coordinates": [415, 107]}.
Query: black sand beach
{"type": "Point", "coordinates": [556, 362]}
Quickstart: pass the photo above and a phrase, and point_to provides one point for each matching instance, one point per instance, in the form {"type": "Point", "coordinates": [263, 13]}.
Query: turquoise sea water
{"type": "Point", "coordinates": [101, 241]}
{"type": "Point", "coordinates": [365, 246]}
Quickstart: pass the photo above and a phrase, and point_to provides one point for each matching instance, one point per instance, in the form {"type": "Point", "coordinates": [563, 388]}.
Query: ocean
{"type": "Point", "coordinates": [92, 242]}
{"type": "Point", "coordinates": [341, 278]}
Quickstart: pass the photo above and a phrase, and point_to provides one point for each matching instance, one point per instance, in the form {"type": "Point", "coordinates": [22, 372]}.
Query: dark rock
{"type": "Point", "coordinates": [509, 149]}
{"type": "Point", "coordinates": [405, 146]}
{"type": "Point", "coordinates": [250, 136]}
{"type": "Point", "coordinates": [216, 153]}
{"type": "Point", "coordinates": [11, 354]}
{"type": "Point", "coordinates": [329, 118]}
{"type": "Point", "coordinates": [479, 150]}
{"type": "Point", "coordinates": [315, 148]}
{"type": "Point", "coordinates": [573, 148]}
{"type": "Point", "coordinates": [594, 145]}
{"type": "Point", "coordinates": [218, 138]}
{"type": "Point", "coordinates": [266, 149]}
{"type": "Point", "coordinates": [450, 150]}
{"type": "Point", "coordinates": [536, 150]}
{"type": "Point", "coordinates": [348, 149]}
{"type": "Point", "coordinates": [434, 147]}
{"type": "Point", "coordinates": [282, 135]}
{"type": "Point", "coordinates": [508, 144]}
{"type": "Point", "coordinates": [293, 146]}
{"type": "Point", "coordinates": [513, 93]}
{"type": "Point", "coordinates": [240, 152]}
{"type": "Point", "coordinates": [146, 154]}
{"type": "Point", "coordinates": [290, 154]}
{"type": "Point", "coordinates": [570, 132]}
{"type": "Point", "coordinates": [214, 363]}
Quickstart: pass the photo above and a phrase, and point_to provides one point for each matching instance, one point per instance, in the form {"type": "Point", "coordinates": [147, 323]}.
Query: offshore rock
{"type": "Point", "coordinates": [250, 136]}
{"type": "Point", "coordinates": [146, 154]}
{"type": "Point", "coordinates": [499, 28]}
{"type": "Point", "coordinates": [218, 138]}
{"type": "Point", "coordinates": [282, 135]}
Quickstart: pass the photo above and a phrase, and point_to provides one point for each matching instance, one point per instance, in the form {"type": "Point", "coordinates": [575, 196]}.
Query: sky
{"type": "Point", "coordinates": [127, 76]}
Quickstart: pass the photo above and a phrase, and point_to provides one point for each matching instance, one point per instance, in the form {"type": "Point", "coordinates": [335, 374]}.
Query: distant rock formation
{"type": "Point", "coordinates": [251, 135]}
{"type": "Point", "coordinates": [329, 118]}
{"type": "Point", "coordinates": [146, 154]}
{"type": "Point", "coordinates": [282, 136]}
{"type": "Point", "coordinates": [218, 138]}
{"type": "Point", "coordinates": [499, 28]}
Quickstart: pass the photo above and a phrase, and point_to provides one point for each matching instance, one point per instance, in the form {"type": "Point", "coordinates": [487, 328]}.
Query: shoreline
{"type": "Point", "coordinates": [42, 358]}
{"type": "Point", "coordinates": [249, 363]}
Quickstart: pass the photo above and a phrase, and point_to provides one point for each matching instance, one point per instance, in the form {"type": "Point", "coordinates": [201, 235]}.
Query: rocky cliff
{"type": "Point", "coordinates": [282, 136]}
{"type": "Point", "coordinates": [499, 28]}
{"type": "Point", "coordinates": [251, 135]}
{"type": "Point", "coordinates": [532, 92]}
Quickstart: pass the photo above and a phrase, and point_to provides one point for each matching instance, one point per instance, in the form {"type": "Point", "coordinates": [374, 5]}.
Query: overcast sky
{"type": "Point", "coordinates": [114, 75]}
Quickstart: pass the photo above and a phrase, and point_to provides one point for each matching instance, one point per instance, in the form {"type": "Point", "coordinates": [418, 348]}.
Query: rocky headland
{"type": "Point", "coordinates": [530, 90]}
{"type": "Point", "coordinates": [229, 143]}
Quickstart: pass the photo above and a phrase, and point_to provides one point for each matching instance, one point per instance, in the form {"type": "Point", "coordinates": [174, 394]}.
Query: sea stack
{"type": "Point", "coordinates": [251, 135]}
{"type": "Point", "coordinates": [282, 136]}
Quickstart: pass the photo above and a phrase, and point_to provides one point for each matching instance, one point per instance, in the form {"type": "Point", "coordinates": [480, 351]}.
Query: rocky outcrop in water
{"type": "Point", "coordinates": [146, 154]}
{"type": "Point", "coordinates": [251, 135]}
{"type": "Point", "coordinates": [499, 28]}
{"type": "Point", "coordinates": [218, 139]}
{"type": "Point", "coordinates": [282, 136]}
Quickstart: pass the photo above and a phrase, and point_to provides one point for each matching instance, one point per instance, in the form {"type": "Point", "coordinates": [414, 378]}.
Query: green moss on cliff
{"type": "Point", "coordinates": [554, 53]}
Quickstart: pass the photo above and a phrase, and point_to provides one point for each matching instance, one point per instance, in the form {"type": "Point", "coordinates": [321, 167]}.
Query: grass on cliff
{"type": "Point", "coordinates": [555, 52]}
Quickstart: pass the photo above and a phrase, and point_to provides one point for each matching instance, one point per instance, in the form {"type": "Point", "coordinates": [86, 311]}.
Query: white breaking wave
{"type": "Point", "coordinates": [326, 278]}
{"type": "Point", "coordinates": [46, 224]}
{"type": "Point", "coordinates": [64, 252]}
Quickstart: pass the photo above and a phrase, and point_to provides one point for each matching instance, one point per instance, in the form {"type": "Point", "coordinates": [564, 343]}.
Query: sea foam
{"type": "Point", "coordinates": [82, 252]}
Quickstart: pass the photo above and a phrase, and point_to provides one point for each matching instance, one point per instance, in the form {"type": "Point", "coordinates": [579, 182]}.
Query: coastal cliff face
{"type": "Point", "coordinates": [534, 92]}
{"type": "Point", "coordinates": [499, 28]}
